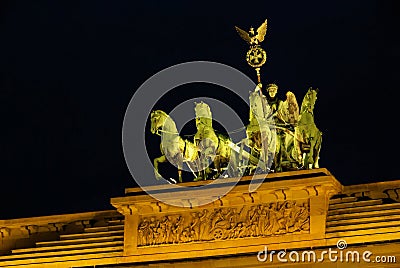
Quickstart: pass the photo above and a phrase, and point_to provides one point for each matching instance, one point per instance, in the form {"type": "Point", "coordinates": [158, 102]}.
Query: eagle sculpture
{"type": "Point", "coordinates": [251, 37]}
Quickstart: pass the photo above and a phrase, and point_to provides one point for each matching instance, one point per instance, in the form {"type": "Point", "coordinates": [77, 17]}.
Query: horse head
{"type": "Point", "coordinates": [203, 114]}
{"type": "Point", "coordinates": [158, 119]}
{"type": "Point", "coordinates": [307, 132]}
{"type": "Point", "coordinates": [309, 100]}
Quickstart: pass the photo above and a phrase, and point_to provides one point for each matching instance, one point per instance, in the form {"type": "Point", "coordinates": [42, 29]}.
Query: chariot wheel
{"type": "Point", "coordinates": [218, 234]}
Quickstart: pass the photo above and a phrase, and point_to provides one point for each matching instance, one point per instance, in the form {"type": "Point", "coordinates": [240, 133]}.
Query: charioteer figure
{"type": "Point", "coordinates": [272, 113]}
{"type": "Point", "coordinates": [273, 101]}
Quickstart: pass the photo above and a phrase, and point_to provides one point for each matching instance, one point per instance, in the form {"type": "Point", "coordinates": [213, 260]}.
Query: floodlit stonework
{"type": "Point", "coordinates": [299, 213]}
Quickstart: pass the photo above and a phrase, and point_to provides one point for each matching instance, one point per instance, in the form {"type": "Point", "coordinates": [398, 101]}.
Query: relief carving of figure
{"type": "Point", "coordinates": [176, 229]}
{"type": "Point", "coordinates": [163, 233]}
{"type": "Point", "coordinates": [143, 232]}
{"type": "Point", "coordinates": [273, 220]}
{"type": "Point", "coordinates": [252, 220]}
{"type": "Point", "coordinates": [302, 219]}
{"type": "Point", "coordinates": [225, 223]}
{"type": "Point", "coordinates": [195, 225]}
{"type": "Point", "coordinates": [204, 226]}
{"type": "Point", "coordinates": [153, 226]}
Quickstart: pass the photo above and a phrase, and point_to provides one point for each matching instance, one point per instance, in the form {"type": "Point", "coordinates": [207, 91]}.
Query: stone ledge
{"type": "Point", "coordinates": [302, 183]}
{"type": "Point", "coordinates": [290, 175]}
{"type": "Point", "coordinates": [16, 223]}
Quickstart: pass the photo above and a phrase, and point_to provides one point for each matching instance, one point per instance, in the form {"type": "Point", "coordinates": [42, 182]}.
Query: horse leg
{"type": "Point", "coordinates": [200, 167]}
{"type": "Point", "coordinates": [278, 154]}
{"type": "Point", "coordinates": [217, 165]}
{"type": "Point", "coordinates": [180, 166]}
{"type": "Point", "coordinates": [297, 153]}
{"type": "Point", "coordinates": [310, 155]}
{"type": "Point", "coordinates": [317, 150]}
{"type": "Point", "coordinates": [233, 165]}
{"type": "Point", "coordinates": [206, 161]}
{"type": "Point", "coordinates": [161, 159]}
{"type": "Point", "coordinates": [203, 166]}
{"type": "Point", "coordinates": [264, 152]}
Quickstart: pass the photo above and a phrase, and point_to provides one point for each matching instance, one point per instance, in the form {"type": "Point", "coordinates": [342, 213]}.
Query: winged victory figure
{"type": "Point", "coordinates": [251, 37]}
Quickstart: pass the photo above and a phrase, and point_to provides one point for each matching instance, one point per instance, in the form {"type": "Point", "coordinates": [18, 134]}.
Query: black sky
{"type": "Point", "coordinates": [69, 69]}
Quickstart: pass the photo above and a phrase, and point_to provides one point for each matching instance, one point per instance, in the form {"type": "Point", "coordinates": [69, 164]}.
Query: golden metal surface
{"type": "Point", "coordinates": [255, 56]}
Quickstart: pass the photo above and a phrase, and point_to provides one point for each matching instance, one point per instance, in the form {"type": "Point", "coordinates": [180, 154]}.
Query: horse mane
{"type": "Point", "coordinates": [202, 110]}
{"type": "Point", "coordinates": [308, 100]}
{"type": "Point", "coordinates": [169, 122]}
{"type": "Point", "coordinates": [161, 112]}
{"type": "Point", "coordinates": [203, 113]}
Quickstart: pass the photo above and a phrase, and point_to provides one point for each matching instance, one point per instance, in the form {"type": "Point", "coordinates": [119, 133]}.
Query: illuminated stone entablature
{"type": "Point", "coordinates": [289, 211]}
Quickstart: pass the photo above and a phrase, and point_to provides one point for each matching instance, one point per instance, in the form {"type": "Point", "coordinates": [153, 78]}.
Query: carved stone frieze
{"type": "Point", "coordinates": [56, 227]}
{"type": "Point", "coordinates": [4, 232]}
{"type": "Point", "coordinates": [261, 220]}
{"type": "Point", "coordinates": [84, 223]}
{"type": "Point", "coordinates": [29, 229]}
{"type": "Point", "coordinates": [393, 194]}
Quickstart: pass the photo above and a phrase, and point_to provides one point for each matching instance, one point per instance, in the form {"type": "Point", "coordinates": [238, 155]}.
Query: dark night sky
{"type": "Point", "coordinates": [69, 69]}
